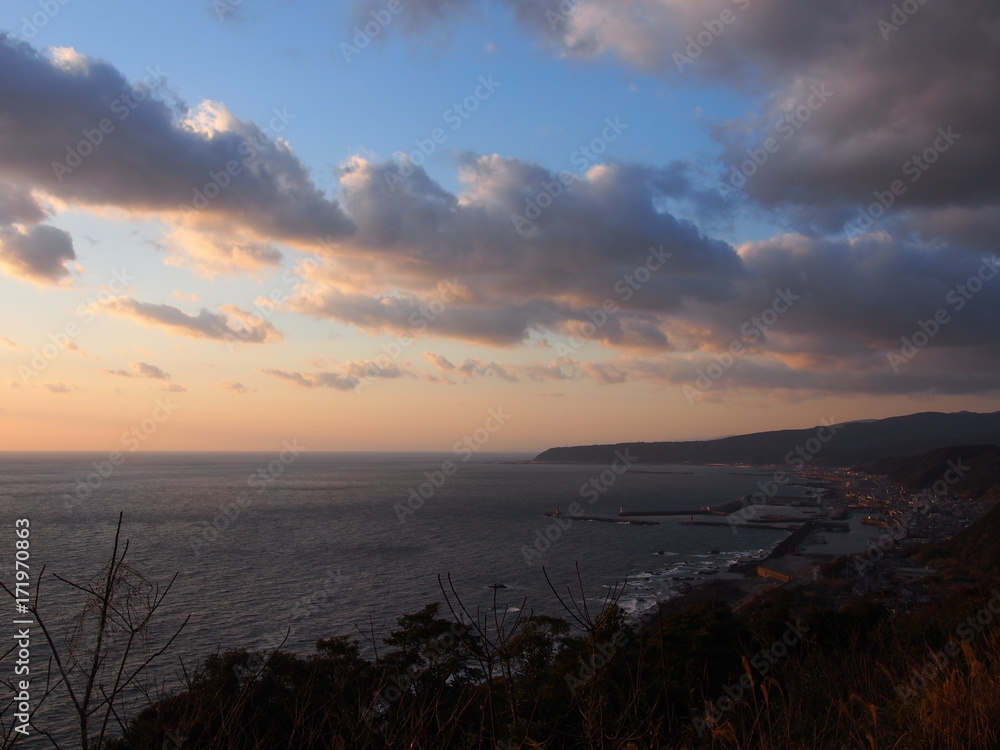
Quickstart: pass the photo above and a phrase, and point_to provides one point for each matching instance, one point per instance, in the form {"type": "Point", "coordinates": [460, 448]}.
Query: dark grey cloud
{"type": "Point", "coordinates": [18, 206]}
{"type": "Point", "coordinates": [897, 76]}
{"type": "Point", "coordinates": [865, 295]}
{"type": "Point", "coordinates": [80, 131]}
{"type": "Point", "coordinates": [39, 254]}
{"type": "Point", "coordinates": [932, 372]}
{"type": "Point", "coordinates": [826, 302]}
{"type": "Point", "coordinates": [482, 266]}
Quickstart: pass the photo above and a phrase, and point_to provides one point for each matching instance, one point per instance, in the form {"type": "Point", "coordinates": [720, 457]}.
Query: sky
{"type": "Point", "coordinates": [397, 225]}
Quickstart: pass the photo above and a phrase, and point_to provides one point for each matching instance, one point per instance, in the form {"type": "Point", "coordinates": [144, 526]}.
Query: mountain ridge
{"type": "Point", "coordinates": [856, 443]}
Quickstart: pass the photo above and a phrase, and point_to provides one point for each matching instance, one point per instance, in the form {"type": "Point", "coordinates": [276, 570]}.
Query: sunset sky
{"type": "Point", "coordinates": [229, 223]}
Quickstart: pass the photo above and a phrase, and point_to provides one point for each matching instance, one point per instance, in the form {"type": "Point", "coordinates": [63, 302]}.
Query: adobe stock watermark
{"type": "Point", "coordinates": [131, 440]}
{"type": "Point", "coordinates": [625, 288]}
{"type": "Point", "coordinates": [370, 29]}
{"type": "Point", "coordinates": [173, 740]}
{"type": "Point", "coordinates": [591, 490]}
{"type": "Point", "coordinates": [797, 457]}
{"type": "Point", "coordinates": [47, 10]}
{"type": "Point", "coordinates": [223, 8]}
{"type": "Point", "coordinates": [561, 14]}
{"type": "Point", "coordinates": [759, 155]}
{"type": "Point", "coordinates": [603, 653]}
{"type": "Point", "coordinates": [714, 28]}
{"type": "Point", "coordinates": [582, 158]}
{"type": "Point", "coordinates": [455, 116]}
{"type": "Point", "coordinates": [463, 450]}
{"type": "Point", "coordinates": [259, 481]}
{"type": "Point", "coordinates": [265, 305]}
{"type": "Point", "coordinates": [938, 661]}
{"type": "Point", "coordinates": [915, 167]}
{"type": "Point", "coordinates": [92, 138]}
{"type": "Point", "coordinates": [763, 662]}
{"type": "Point", "coordinates": [61, 340]}
{"type": "Point", "coordinates": [307, 605]}
{"type": "Point", "coordinates": [901, 526]}
{"type": "Point", "coordinates": [901, 14]}
{"type": "Point", "coordinates": [754, 329]}
{"type": "Point", "coordinates": [250, 148]}
{"type": "Point", "coordinates": [400, 684]}
{"type": "Point", "coordinates": [449, 291]}
{"type": "Point", "coordinates": [957, 298]}
{"type": "Point", "coordinates": [598, 660]}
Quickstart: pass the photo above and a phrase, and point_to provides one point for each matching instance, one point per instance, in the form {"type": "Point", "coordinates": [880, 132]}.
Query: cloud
{"type": "Point", "coordinates": [896, 78]}
{"type": "Point", "coordinates": [605, 374]}
{"type": "Point", "coordinates": [174, 388]}
{"type": "Point", "coordinates": [11, 344]}
{"type": "Point", "coordinates": [72, 346]}
{"type": "Point", "coordinates": [59, 387]}
{"type": "Point", "coordinates": [619, 272]}
{"type": "Point", "coordinates": [232, 324]}
{"type": "Point", "coordinates": [141, 370]}
{"type": "Point", "coordinates": [346, 377]}
{"type": "Point", "coordinates": [416, 16]}
{"type": "Point", "coordinates": [426, 261]}
{"type": "Point", "coordinates": [212, 170]}
{"type": "Point", "coordinates": [604, 267]}
{"type": "Point", "coordinates": [211, 252]}
{"type": "Point", "coordinates": [237, 388]}
{"type": "Point", "coordinates": [39, 255]}
{"type": "Point", "coordinates": [864, 295]}
{"type": "Point", "coordinates": [475, 367]}
{"type": "Point", "coordinates": [704, 378]}
{"type": "Point", "coordinates": [18, 206]}
{"type": "Point", "coordinates": [147, 370]}
{"type": "Point", "coordinates": [891, 97]}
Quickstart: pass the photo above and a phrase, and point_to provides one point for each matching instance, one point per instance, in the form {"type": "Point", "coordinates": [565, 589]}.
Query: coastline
{"type": "Point", "coordinates": [788, 564]}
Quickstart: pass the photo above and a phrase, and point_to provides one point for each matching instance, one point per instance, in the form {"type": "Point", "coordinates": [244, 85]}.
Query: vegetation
{"type": "Point", "coordinates": [971, 471]}
{"type": "Point", "coordinates": [701, 677]}
{"type": "Point", "coordinates": [972, 552]}
{"type": "Point", "coordinates": [98, 662]}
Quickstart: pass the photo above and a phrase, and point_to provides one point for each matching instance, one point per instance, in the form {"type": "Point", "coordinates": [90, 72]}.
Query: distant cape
{"type": "Point", "coordinates": [846, 444]}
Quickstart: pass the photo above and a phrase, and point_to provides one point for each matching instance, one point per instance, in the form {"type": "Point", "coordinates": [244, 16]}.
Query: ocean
{"type": "Point", "coordinates": [312, 545]}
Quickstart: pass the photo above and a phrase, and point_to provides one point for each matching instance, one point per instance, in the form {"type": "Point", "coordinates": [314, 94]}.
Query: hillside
{"type": "Point", "coordinates": [972, 551]}
{"type": "Point", "coordinates": [977, 465]}
{"type": "Point", "coordinates": [853, 444]}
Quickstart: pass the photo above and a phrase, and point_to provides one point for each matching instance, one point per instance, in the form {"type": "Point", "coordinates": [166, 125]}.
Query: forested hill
{"type": "Point", "coordinates": [851, 444]}
{"type": "Point", "coordinates": [969, 470]}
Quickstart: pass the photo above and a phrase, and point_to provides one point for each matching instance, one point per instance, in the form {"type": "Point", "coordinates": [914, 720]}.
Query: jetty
{"type": "Point", "coordinates": [772, 527]}
{"type": "Point", "coordinates": [722, 509]}
{"type": "Point", "coordinates": [603, 519]}
{"type": "Point", "coordinates": [701, 512]}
